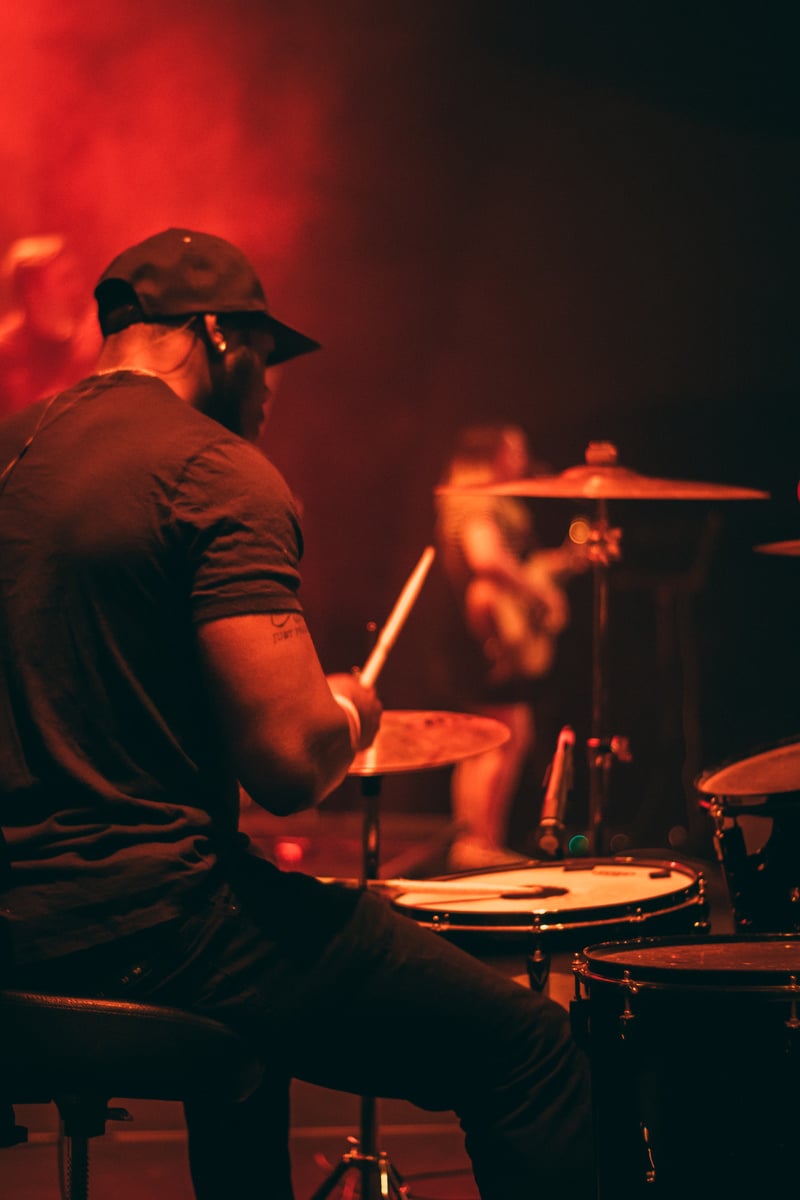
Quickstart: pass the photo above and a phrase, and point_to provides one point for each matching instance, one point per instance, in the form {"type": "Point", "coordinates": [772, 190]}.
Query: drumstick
{"type": "Point", "coordinates": [452, 888]}
{"type": "Point", "coordinates": [405, 602]}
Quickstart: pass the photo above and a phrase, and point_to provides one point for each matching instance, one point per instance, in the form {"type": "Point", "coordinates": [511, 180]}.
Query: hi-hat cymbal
{"type": "Point", "coordinates": [590, 482]}
{"type": "Point", "coordinates": [412, 740]}
{"type": "Point", "coordinates": [792, 549]}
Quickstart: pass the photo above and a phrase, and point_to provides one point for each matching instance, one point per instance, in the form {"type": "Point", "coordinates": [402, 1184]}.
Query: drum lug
{"type": "Point", "coordinates": [793, 1022]}
{"type": "Point", "coordinates": [579, 1005]}
{"type": "Point", "coordinates": [702, 925]}
{"type": "Point", "coordinates": [538, 968]}
{"type": "Point", "coordinates": [794, 905]}
{"type": "Point", "coordinates": [579, 967]}
{"type": "Point", "coordinates": [627, 1016]}
{"type": "Point", "coordinates": [537, 963]}
{"type": "Point", "coordinates": [650, 1168]}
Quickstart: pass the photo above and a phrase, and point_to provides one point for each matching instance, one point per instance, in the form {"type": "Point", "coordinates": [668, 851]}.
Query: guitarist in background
{"type": "Point", "coordinates": [511, 607]}
{"type": "Point", "coordinates": [50, 337]}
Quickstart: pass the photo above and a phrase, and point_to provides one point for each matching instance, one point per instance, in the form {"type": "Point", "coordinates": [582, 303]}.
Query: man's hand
{"type": "Point", "coordinates": [367, 704]}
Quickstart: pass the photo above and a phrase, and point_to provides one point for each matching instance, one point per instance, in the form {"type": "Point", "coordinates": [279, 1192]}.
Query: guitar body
{"type": "Point", "coordinates": [518, 630]}
{"type": "Point", "coordinates": [510, 632]}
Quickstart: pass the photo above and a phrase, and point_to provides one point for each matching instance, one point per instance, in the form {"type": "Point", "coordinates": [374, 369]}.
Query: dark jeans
{"type": "Point", "coordinates": [330, 985]}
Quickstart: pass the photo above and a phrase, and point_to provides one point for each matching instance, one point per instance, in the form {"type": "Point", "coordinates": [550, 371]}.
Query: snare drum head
{"type": "Point", "coordinates": [572, 893]}
{"type": "Point", "coordinates": [772, 770]}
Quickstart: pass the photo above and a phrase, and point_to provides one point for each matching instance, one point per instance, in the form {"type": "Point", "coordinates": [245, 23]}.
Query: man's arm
{"type": "Point", "coordinates": [290, 741]}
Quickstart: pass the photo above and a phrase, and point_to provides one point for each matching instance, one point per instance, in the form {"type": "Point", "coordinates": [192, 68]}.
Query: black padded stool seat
{"type": "Point", "coordinates": [79, 1053]}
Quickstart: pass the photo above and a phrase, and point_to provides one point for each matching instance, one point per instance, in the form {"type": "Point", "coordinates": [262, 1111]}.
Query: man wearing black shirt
{"type": "Point", "coordinates": [155, 657]}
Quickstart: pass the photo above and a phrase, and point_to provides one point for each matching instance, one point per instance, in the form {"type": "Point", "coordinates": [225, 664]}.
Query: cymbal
{"type": "Point", "coordinates": [768, 772]}
{"type": "Point", "coordinates": [413, 740]}
{"type": "Point", "coordinates": [589, 482]}
{"type": "Point", "coordinates": [788, 548]}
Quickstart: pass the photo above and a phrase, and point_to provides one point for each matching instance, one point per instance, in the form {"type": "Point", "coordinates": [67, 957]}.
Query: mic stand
{"type": "Point", "coordinates": [379, 1179]}
{"type": "Point", "coordinates": [558, 784]}
{"type": "Point", "coordinates": [602, 749]}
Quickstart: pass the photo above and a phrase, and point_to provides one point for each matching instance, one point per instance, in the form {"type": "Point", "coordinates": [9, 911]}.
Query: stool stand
{"type": "Point", "coordinates": [80, 1118]}
{"type": "Point", "coordinates": [379, 1179]}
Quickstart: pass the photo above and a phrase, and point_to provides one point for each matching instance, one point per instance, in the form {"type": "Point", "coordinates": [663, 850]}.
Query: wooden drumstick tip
{"type": "Point", "coordinates": [397, 617]}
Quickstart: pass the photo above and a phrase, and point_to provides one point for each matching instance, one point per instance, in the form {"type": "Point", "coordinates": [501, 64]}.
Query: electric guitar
{"type": "Point", "coordinates": [518, 628]}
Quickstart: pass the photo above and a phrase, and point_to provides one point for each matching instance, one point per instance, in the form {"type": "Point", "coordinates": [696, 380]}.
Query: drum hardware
{"type": "Point", "coordinates": [657, 1013]}
{"type": "Point", "coordinates": [379, 1179]}
{"type": "Point", "coordinates": [394, 748]}
{"type": "Point", "coordinates": [537, 962]}
{"type": "Point", "coordinates": [407, 740]}
{"type": "Point", "coordinates": [627, 1014]}
{"type": "Point", "coordinates": [522, 920]}
{"type": "Point", "coordinates": [759, 794]}
{"type": "Point", "coordinates": [601, 478]}
{"type": "Point", "coordinates": [793, 1021]}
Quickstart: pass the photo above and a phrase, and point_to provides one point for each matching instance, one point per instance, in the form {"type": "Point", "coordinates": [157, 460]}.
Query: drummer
{"type": "Point", "coordinates": [149, 574]}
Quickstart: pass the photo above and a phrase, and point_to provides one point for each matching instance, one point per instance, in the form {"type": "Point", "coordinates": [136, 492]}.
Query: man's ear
{"type": "Point", "coordinates": [214, 335]}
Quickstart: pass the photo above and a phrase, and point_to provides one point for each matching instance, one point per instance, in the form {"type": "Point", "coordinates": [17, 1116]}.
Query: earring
{"type": "Point", "coordinates": [221, 345]}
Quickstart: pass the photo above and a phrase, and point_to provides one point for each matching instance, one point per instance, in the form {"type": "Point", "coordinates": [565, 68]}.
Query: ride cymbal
{"type": "Point", "coordinates": [608, 483]}
{"type": "Point", "coordinates": [413, 740]}
{"type": "Point", "coordinates": [602, 478]}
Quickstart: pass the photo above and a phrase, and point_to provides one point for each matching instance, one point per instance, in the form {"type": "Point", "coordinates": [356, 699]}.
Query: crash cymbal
{"type": "Point", "coordinates": [768, 772]}
{"type": "Point", "coordinates": [792, 549]}
{"type": "Point", "coordinates": [412, 740]}
{"type": "Point", "coordinates": [602, 478]}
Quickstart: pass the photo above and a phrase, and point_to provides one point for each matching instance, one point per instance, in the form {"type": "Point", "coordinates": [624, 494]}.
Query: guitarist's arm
{"type": "Point", "coordinates": [535, 582]}
{"type": "Point", "coordinates": [487, 556]}
{"type": "Point", "coordinates": [508, 611]}
{"type": "Point", "coordinates": [517, 608]}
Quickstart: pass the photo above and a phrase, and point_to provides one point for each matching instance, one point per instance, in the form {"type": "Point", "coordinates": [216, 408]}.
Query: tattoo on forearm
{"type": "Point", "coordinates": [287, 625]}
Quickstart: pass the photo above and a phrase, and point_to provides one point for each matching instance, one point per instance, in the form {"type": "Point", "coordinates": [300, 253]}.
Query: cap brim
{"type": "Point", "coordinates": [289, 343]}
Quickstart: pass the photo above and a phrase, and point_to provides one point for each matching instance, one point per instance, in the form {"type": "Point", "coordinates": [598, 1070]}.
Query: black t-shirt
{"type": "Point", "coordinates": [130, 519]}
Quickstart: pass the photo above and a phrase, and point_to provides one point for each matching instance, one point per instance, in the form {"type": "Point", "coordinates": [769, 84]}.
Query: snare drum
{"type": "Point", "coordinates": [501, 916]}
{"type": "Point", "coordinates": [755, 805]}
{"type": "Point", "coordinates": [695, 1049]}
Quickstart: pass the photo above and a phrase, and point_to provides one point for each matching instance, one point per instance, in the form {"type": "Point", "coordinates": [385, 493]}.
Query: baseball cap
{"type": "Point", "coordinates": [180, 272]}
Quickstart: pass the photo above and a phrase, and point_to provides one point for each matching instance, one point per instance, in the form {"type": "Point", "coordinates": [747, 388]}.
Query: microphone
{"type": "Point", "coordinates": [558, 784]}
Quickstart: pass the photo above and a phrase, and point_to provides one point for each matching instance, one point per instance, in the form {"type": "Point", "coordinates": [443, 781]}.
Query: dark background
{"type": "Point", "coordinates": [580, 217]}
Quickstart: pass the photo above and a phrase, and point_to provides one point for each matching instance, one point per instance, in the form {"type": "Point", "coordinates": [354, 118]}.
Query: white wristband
{"type": "Point", "coordinates": [353, 718]}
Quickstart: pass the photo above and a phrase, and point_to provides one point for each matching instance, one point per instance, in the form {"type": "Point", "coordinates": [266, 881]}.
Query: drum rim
{"type": "Point", "coordinates": [595, 968]}
{"type": "Point", "coordinates": [565, 864]}
{"type": "Point", "coordinates": [554, 920]}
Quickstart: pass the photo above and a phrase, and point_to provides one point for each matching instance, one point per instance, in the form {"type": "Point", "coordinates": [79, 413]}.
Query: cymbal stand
{"type": "Point", "coordinates": [379, 1179]}
{"type": "Point", "coordinates": [602, 749]}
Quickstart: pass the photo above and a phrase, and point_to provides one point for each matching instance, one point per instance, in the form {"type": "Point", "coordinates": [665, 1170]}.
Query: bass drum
{"type": "Point", "coordinates": [508, 917]}
{"type": "Point", "coordinates": [694, 1048]}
